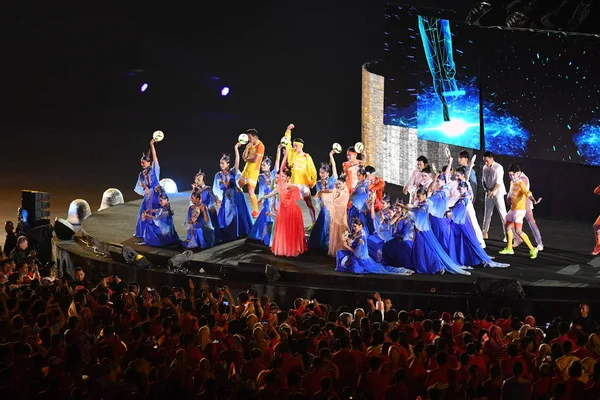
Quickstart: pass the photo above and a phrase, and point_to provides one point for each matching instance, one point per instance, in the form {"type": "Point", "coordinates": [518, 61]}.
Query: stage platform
{"type": "Point", "coordinates": [564, 271]}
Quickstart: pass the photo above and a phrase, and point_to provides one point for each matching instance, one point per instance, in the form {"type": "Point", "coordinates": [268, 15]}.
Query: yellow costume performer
{"type": "Point", "coordinates": [518, 208]}
{"type": "Point", "coordinates": [253, 155]}
{"type": "Point", "coordinates": [304, 173]}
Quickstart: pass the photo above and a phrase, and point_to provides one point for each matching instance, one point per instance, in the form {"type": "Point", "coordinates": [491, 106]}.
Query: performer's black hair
{"type": "Point", "coordinates": [488, 154]}
{"type": "Point", "coordinates": [201, 173]}
{"type": "Point", "coordinates": [226, 157]}
{"type": "Point", "coordinates": [325, 166]}
{"type": "Point", "coordinates": [423, 158]}
{"type": "Point", "coordinates": [361, 171]}
{"type": "Point", "coordinates": [463, 154]}
{"type": "Point", "coordinates": [427, 170]}
{"type": "Point", "coordinates": [146, 157]}
{"type": "Point", "coordinates": [422, 190]}
{"type": "Point", "coordinates": [287, 172]}
{"type": "Point", "coordinates": [462, 170]}
{"type": "Point", "coordinates": [515, 167]}
{"type": "Point", "coordinates": [351, 149]}
{"type": "Point", "coordinates": [463, 184]}
{"type": "Point", "coordinates": [357, 221]}
{"type": "Point", "coordinates": [298, 140]}
{"type": "Point", "coordinates": [369, 169]}
{"type": "Point", "coordinates": [252, 132]}
{"type": "Point", "coordinates": [342, 178]}
{"type": "Point", "coordinates": [267, 160]}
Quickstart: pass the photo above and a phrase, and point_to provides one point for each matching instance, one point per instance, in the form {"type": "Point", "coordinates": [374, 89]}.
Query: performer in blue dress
{"type": "Point", "coordinates": [355, 258]}
{"type": "Point", "coordinates": [233, 217]}
{"type": "Point", "coordinates": [146, 185]}
{"type": "Point", "coordinates": [360, 201]}
{"type": "Point", "coordinates": [398, 251]}
{"type": "Point", "coordinates": [428, 255]}
{"type": "Point", "coordinates": [200, 231]}
{"type": "Point", "coordinates": [157, 224]}
{"type": "Point", "coordinates": [468, 250]}
{"type": "Point", "coordinates": [319, 234]}
{"type": "Point", "coordinates": [384, 223]}
{"type": "Point", "coordinates": [438, 205]}
{"type": "Point", "coordinates": [208, 199]}
{"type": "Point", "coordinates": [263, 226]}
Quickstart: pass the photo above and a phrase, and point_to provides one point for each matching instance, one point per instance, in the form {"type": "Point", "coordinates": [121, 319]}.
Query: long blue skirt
{"type": "Point", "coordinates": [262, 228]}
{"type": "Point", "coordinates": [442, 231]}
{"type": "Point", "coordinates": [430, 258]}
{"type": "Point", "coordinates": [346, 261]}
{"type": "Point", "coordinates": [319, 235]}
{"type": "Point", "coordinates": [234, 218]}
{"type": "Point", "coordinates": [214, 219]}
{"type": "Point", "coordinates": [375, 244]}
{"type": "Point", "coordinates": [147, 204]}
{"type": "Point", "coordinates": [202, 237]}
{"type": "Point", "coordinates": [468, 249]}
{"type": "Point", "coordinates": [153, 236]}
{"type": "Point", "coordinates": [398, 253]}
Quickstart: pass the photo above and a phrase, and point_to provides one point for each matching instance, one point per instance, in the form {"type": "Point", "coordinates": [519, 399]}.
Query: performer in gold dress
{"type": "Point", "coordinates": [253, 156]}
{"type": "Point", "coordinates": [304, 173]}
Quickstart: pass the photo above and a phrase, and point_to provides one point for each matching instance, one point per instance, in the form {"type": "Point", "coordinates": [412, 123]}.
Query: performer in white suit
{"type": "Point", "coordinates": [493, 183]}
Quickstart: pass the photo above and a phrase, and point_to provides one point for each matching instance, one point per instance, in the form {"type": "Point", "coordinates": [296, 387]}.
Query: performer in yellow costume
{"type": "Point", "coordinates": [518, 208]}
{"type": "Point", "coordinates": [304, 173]}
{"type": "Point", "coordinates": [253, 156]}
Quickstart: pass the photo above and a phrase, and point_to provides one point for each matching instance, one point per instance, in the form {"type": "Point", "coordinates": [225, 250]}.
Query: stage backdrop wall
{"type": "Point", "coordinates": [566, 188]}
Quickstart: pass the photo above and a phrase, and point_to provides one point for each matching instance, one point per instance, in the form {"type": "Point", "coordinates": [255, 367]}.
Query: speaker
{"type": "Point", "coordinates": [37, 205]}
{"type": "Point", "coordinates": [507, 288]}
{"type": "Point", "coordinates": [249, 272]}
{"type": "Point", "coordinates": [40, 239]}
{"type": "Point", "coordinates": [126, 255]}
{"type": "Point", "coordinates": [63, 229]}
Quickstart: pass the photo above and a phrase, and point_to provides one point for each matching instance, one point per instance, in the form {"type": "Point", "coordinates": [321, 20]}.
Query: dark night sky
{"type": "Point", "coordinates": [81, 122]}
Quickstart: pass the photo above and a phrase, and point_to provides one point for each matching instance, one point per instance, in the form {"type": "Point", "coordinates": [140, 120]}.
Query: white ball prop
{"type": "Point", "coordinates": [158, 136]}
{"type": "Point", "coordinates": [111, 197]}
{"type": "Point", "coordinates": [79, 210]}
{"type": "Point", "coordinates": [337, 148]}
{"type": "Point", "coordinates": [359, 147]}
{"type": "Point", "coordinates": [243, 138]}
{"type": "Point", "coordinates": [169, 185]}
{"type": "Point", "coordinates": [285, 140]}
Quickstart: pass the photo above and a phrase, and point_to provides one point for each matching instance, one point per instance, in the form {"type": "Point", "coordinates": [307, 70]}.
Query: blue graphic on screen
{"type": "Point", "coordinates": [588, 142]}
{"type": "Point", "coordinates": [434, 88]}
{"type": "Point", "coordinates": [504, 133]}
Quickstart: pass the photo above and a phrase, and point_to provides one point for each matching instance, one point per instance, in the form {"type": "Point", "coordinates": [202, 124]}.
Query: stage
{"type": "Point", "coordinates": [562, 272]}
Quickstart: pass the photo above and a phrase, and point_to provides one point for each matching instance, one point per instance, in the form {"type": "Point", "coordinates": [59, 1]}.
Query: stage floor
{"type": "Point", "coordinates": [564, 263]}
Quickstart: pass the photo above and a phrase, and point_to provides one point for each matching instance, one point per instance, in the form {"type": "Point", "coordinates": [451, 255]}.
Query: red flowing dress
{"type": "Point", "coordinates": [289, 239]}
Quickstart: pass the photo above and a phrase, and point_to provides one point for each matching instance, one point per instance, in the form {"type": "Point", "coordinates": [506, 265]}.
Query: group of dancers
{"type": "Point", "coordinates": [435, 231]}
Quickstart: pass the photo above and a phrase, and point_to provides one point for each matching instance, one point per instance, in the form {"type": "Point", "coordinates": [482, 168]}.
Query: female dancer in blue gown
{"type": "Point", "coordinates": [208, 199]}
{"type": "Point", "coordinates": [427, 254]}
{"type": "Point", "coordinates": [319, 235]}
{"type": "Point", "coordinates": [157, 225]}
{"type": "Point", "coordinates": [398, 251]}
{"type": "Point", "coordinates": [234, 217]}
{"type": "Point", "coordinates": [263, 226]}
{"type": "Point", "coordinates": [360, 201]}
{"type": "Point", "coordinates": [147, 184]}
{"type": "Point", "coordinates": [355, 258]}
{"type": "Point", "coordinates": [384, 223]}
{"type": "Point", "coordinates": [438, 205]}
{"type": "Point", "coordinates": [200, 231]}
{"type": "Point", "coordinates": [467, 247]}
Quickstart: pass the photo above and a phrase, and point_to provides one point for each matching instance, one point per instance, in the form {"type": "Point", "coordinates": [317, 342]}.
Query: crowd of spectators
{"type": "Point", "coordinates": [70, 339]}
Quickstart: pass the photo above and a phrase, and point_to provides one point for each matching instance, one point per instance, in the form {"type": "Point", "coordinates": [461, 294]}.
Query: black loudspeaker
{"type": "Point", "coordinates": [63, 229]}
{"type": "Point", "coordinates": [40, 239]}
{"type": "Point", "coordinates": [37, 205]}
{"type": "Point", "coordinates": [116, 253]}
{"type": "Point", "coordinates": [248, 272]}
{"type": "Point", "coordinates": [507, 288]}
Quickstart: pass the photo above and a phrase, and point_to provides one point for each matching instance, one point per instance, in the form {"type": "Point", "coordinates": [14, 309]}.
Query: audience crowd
{"type": "Point", "coordinates": [71, 339]}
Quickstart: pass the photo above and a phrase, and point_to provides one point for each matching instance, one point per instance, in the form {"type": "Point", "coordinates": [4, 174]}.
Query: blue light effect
{"type": "Point", "coordinates": [504, 133]}
{"type": "Point", "coordinates": [463, 128]}
{"type": "Point", "coordinates": [144, 87]}
{"type": "Point", "coordinates": [588, 142]}
{"type": "Point", "coordinates": [225, 91]}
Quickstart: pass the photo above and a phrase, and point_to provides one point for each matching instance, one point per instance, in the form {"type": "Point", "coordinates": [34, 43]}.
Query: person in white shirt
{"type": "Point", "coordinates": [530, 219]}
{"type": "Point", "coordinates": [413, 183]}
{"type": "Point", "coordinates": [493, 183]}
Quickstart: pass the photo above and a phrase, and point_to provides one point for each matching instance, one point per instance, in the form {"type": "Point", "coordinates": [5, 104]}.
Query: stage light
{"type": "Point", "coordinates": [79, 210]}
{"type": "Point", "coordinates": [225, 91]}
{"type": "Point", "coordinates": [111, 197]}
{"type": "Point", "coordinates": [144, 87]}
{"type": "Point", "coordinates": [169, 185]}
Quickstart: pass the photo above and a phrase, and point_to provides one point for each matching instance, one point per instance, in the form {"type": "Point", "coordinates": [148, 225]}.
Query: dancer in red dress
{"type": "Point", "coordinates": [288, 239]}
